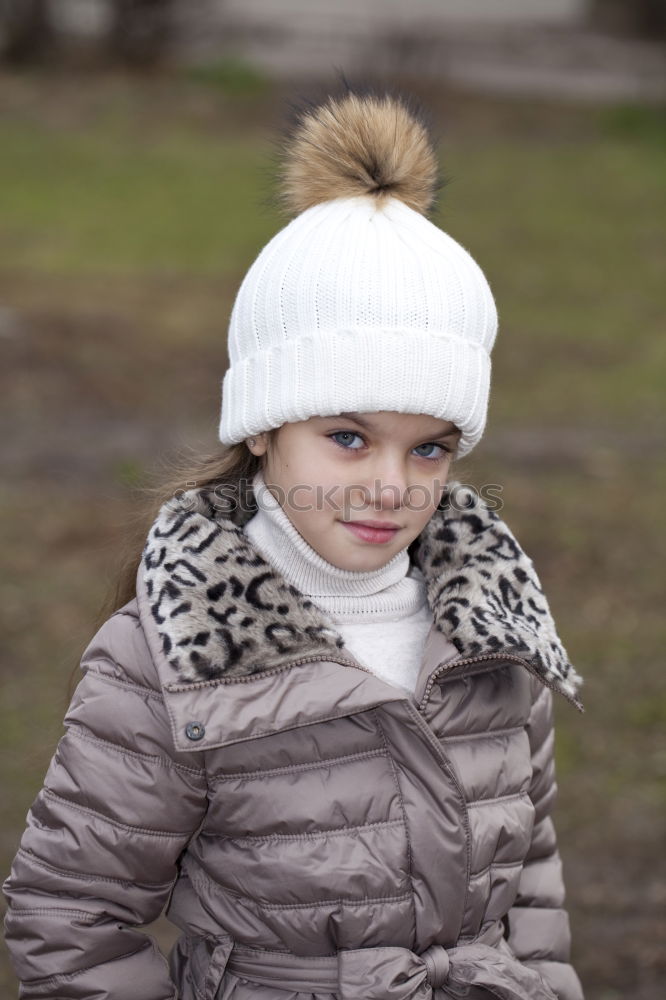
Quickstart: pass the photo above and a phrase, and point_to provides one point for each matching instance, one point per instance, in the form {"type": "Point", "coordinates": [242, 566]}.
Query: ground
{"type": "Point", "coordinates": [130, 209]}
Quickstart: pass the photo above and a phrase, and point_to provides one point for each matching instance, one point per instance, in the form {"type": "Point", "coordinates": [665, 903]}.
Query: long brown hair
{"type": "Point", "coordinates": [226, 466]}
{"type": "Point", "coordinates": [187, 469]}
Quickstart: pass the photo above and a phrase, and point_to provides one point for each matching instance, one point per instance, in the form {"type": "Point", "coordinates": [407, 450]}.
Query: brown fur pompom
{"type": "Point", "coordinates": [359, 144]}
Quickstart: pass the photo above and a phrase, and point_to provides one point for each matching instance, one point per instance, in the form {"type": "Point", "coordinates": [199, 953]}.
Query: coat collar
{"type": "Point", "coordinates": [220, 612]}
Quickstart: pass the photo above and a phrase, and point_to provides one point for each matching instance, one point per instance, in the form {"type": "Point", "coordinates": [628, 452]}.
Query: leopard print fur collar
{"type": "Point", "coordinates": [222, 611]}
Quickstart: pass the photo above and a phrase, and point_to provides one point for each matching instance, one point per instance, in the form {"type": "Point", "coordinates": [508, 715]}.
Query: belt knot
{"type": "Point", "coordinates": [437, 963]}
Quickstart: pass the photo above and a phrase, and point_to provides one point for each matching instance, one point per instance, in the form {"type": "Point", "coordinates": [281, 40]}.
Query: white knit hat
{"type": "Point", "coordinates": [360, 302]}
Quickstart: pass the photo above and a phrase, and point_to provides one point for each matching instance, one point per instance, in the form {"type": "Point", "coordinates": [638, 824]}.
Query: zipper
{"type": "Point", "coordinates": [441, 669]}
{"type": "Point", "coordinates": [444, 667]}
{"type": "Point", "coordinates": [445, 764]}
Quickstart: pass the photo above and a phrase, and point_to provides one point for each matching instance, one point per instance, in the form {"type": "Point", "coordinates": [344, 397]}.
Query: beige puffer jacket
{"type": "Point", "coordinates": [317, 833]}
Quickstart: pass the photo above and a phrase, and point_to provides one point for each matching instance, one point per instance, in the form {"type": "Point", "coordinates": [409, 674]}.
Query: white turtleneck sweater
{"type": "Point", "coordinates": [382, 614]}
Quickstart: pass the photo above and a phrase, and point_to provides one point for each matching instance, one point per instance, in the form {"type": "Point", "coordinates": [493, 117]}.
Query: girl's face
{"type": "Point", "coordinates": [334, 475]}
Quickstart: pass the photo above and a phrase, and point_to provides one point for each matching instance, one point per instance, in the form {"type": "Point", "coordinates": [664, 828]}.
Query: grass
{"type": "Point", "coordinates": [230, 75]}
{"type": "Point", "coordinates": [122, 204]}
{"type": "Point", "coordinates": [129, 212]}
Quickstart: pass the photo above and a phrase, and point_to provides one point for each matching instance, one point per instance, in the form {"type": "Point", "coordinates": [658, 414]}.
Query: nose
{"type": "Point", "coordinates": [389, 484]}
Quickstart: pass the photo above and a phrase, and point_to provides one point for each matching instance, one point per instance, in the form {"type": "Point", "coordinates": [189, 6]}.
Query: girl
{"type": "Point", "coordinates": [320, 726]}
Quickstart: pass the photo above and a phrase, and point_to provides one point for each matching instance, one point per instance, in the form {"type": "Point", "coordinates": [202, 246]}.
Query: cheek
{"type": "Point", "coordinates": [306, 463]}
{"type": "Point", "coordinates": [289, 466]}
{"type": "Point", "coordinates": [424, 498]}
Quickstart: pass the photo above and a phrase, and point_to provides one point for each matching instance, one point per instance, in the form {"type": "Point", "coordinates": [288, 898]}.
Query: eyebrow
{"type": "Point", "coordinates": [369, 425]}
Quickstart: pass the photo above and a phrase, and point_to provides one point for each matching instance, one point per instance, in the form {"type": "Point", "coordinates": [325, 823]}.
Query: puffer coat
{"type": "Point", "coordinates": [315, 832]}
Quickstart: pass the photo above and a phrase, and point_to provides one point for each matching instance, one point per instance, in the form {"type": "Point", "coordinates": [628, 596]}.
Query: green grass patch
{"type": "Point", "coordinates": [230, 75]}
{"type": "Point", "coordinates": [104, 201]}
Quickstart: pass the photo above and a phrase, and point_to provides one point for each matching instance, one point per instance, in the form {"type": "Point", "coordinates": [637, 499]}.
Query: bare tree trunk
{"type": "Point", "coordinates": [25, 30]}
{"type": "Point", "coordinates": [141, 30]}
{"type": "Point", "coordinates": [652, 15]}
{"type": "Point", "coordinates": [645, 18]}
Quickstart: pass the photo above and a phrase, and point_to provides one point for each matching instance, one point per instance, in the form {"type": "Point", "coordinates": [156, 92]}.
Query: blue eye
{"type": "Point", "coordinates": [347, 435]}
{"type": "Point", "coordinates": [431, 444]}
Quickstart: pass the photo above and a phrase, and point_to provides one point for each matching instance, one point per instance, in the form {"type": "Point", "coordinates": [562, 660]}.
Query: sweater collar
{"type": "Point", "coordinates": [221, 611]}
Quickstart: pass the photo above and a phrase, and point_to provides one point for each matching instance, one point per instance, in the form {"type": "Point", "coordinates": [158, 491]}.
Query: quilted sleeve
{"type": "Point", "coordinates": [537, 925]}
{"type": "Point", "coordinates": [99, 855]}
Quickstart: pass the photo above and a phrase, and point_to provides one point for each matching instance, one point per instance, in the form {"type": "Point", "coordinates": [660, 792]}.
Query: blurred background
{"type": "Point", "coordinates": [135, 141]}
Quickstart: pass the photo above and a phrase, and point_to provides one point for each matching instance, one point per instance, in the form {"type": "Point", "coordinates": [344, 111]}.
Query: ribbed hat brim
{"type": "Point", "coordinates": [365, 370]}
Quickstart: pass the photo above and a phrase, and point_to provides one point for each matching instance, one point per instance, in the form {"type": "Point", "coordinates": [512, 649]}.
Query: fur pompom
{"type": "Point", "coordinates": [359, 144]}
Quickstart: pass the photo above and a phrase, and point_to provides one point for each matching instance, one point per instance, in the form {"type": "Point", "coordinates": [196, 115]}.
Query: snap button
{"type": "Point", "coordinates": [195, 731]}
{"type": "Point", "coordinates": [437, 962]}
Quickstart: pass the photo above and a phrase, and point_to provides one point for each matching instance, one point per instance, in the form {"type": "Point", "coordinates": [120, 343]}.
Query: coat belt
{"type": "Point", "coordinates": [393, 973]}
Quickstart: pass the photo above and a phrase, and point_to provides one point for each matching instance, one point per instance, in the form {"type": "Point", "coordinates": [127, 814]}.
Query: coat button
{"type": "Point", "coordinates": [195, 731]}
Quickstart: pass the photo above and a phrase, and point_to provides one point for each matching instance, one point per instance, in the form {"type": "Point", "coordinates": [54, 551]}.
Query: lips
{"type": "Point", "coordinates": [382, 525]}
{"type": "Point", "coordinates": [376, 532]}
